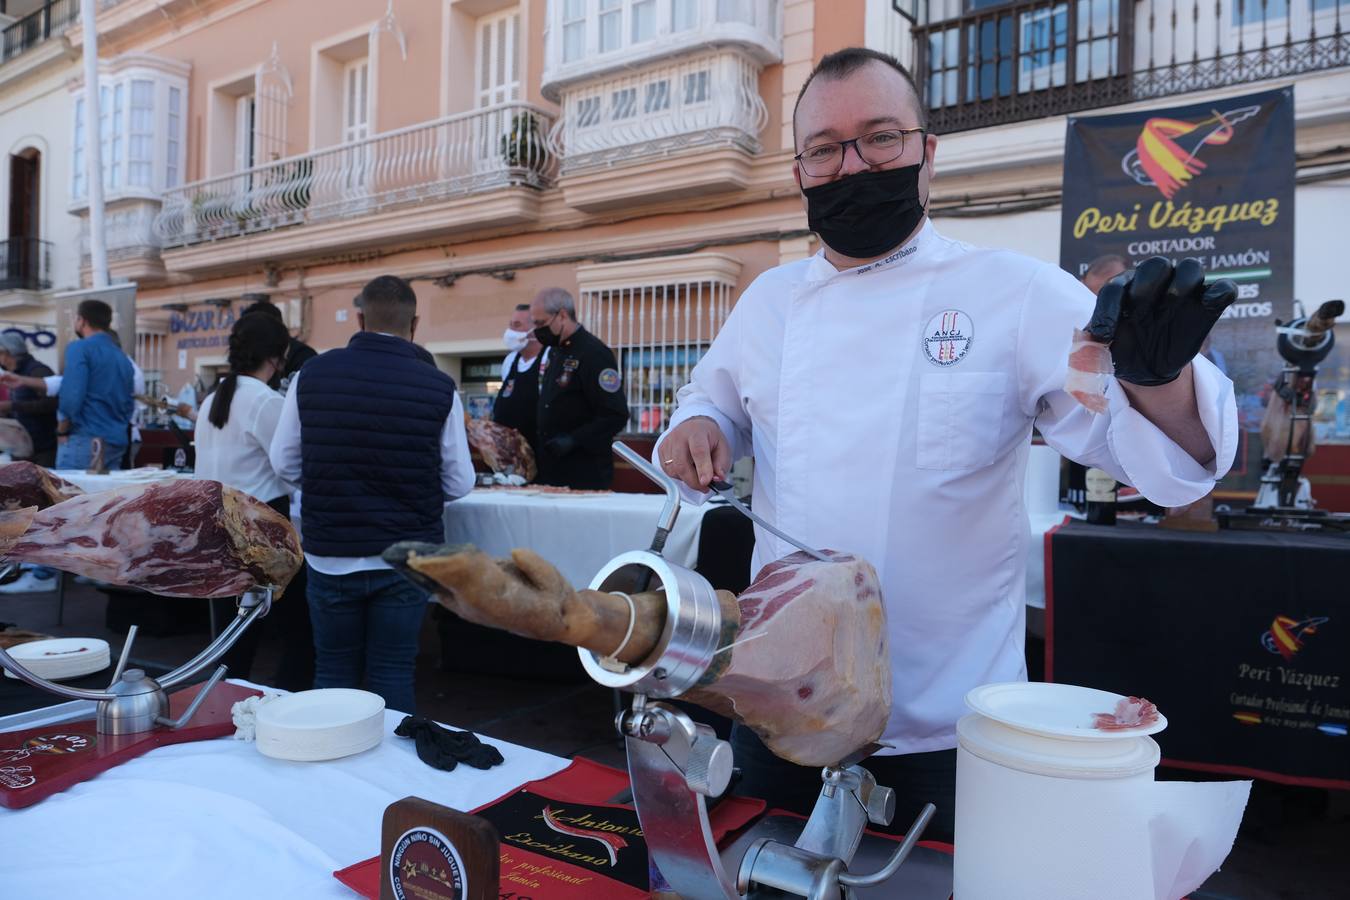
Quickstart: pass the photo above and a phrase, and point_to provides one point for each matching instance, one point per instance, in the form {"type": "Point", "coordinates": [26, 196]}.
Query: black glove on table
{"type": "Point", "coordinates": [561, 445]}
{"type": "Point", "coordinates": [1157, 316]}
{"type": "Point", "coordinates": [445, 748]}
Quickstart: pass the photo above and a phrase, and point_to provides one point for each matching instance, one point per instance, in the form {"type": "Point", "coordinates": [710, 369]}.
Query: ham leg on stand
{"type": "Point", "coordinates": [803, 661]}
{"type": "Point", "coordinates": [180, 538]}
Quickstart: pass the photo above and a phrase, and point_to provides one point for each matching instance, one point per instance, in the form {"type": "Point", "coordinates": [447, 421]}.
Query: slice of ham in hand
{"type": "Point", "coordinates": [1130, 712]}
{"type": "Point", "coordinates": [1089, 368]}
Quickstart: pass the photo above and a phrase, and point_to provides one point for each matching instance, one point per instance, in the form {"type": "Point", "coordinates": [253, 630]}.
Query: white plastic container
{"type": "Point", "coordinates": [328, 723]}
{"type": "Point", "coordinates": [1048, 807]}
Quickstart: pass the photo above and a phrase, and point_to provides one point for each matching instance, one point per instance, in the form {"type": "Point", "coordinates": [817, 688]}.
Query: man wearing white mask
{"type": "Point", "coordinates": [517, 403]}
{"type": "Point", "coordinates": [921, 473]}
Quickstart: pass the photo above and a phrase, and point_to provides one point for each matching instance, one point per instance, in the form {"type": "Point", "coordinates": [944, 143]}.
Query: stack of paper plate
{"type": "Point", "coordinates": [322, 724]}
{"type": "Point", "coordinates": [60, 658]}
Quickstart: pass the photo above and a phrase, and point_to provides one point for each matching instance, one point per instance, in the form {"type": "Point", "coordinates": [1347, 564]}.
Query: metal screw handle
{"type": "Point", "coordinates": [666, 523]}
{"type": "Point", "coordinates": [911, 838]}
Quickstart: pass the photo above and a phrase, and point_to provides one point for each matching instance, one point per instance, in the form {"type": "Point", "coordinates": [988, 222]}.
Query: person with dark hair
{"type": "Point", "coordinates": [297, 352]}
{"type": "Point", "coordinates": [517, 403]}
{"type": "Point", "coordinates": [1103, 269]}
{"type": "Point", "coordinates": [95, 395]}
{"type": "Point", "coordinates": [914, 458]}
{"type": "Point", "coordinates": [581, 399]}
{"type": "Point", "coordinates": [373, 434]}
{"type": "Point", "coordinates": [234, 432]}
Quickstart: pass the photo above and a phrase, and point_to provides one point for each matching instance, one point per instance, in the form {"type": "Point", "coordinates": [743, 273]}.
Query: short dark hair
{"type": "Point", "coordinates": [388, 304]}
{"type": "Point", "coordinates": [264, 306]}
{"type": "Point", "coordinates": [522, 307]}
{"type": "Point", "coordinates": [843, 63]}
{"type": "Point", "coordinates": [97, 313]}
{"type": "Point", "coordinates": [1105, 261]}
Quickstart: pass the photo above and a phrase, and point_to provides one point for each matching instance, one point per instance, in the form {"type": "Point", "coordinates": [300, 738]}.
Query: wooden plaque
{"type": "Point", "coordinates": [432, 852]}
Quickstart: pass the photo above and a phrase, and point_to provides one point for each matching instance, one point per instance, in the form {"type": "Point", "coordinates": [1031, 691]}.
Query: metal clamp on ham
{"type": "Point", "coordinates": [659, 630]}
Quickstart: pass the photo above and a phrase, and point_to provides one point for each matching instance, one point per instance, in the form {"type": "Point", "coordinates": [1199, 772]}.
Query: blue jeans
{"type": "Point", "coordinates": [76, 452]}
{"type": "Point", "coordinates": [367, 623]}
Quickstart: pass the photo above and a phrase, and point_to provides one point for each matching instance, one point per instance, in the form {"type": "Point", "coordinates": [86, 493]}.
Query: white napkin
{"type": "Point", "coordinates": [244, 714]}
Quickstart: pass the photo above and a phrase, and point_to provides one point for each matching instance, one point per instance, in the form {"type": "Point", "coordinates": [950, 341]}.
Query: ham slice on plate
{"type": "Point", "coordinates": [178, 538]}
{"type": "Point", "coordinates": [1130, 712]}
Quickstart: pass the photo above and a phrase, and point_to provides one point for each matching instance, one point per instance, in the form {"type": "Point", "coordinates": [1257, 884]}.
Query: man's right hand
{"type": "Point", "coordinates": [696, 453]}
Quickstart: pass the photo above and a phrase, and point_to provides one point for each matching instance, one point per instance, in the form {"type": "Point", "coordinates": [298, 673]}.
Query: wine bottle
{"type": "Point", "coordinates": [1101, 497]}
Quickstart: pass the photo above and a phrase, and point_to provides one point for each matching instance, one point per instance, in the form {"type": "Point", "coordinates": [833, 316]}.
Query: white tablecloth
{"type": "Point", "coordinates": [578, 533]}
{"type": "Point", "coordinates": [217, 819]}
{"type": "Point", "coordinates": [93, 483]}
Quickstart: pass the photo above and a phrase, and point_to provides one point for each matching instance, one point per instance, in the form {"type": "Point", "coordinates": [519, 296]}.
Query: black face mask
{"type": "Point", "coordinates": [543, 335]}
{"type": "Point", "coordinates": [864, 215]}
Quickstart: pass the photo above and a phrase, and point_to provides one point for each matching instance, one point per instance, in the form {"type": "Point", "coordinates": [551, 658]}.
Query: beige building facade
{"type": "Point", "coordinates": [635, 152]}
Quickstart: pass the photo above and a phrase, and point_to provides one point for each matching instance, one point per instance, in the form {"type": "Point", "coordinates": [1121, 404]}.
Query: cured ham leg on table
{"type": "Point", "coordinates": [807, 667]}
{"type": "Point", "coordinates": [28, 484]}
{"type": "Point", "coordinates": [180, 538]}
{"type": "Point", "coordinates": [503, 449]}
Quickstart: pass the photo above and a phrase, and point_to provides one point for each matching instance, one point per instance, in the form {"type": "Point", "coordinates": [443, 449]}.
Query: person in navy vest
{"type": "Point", "coordinates": [373, 434]}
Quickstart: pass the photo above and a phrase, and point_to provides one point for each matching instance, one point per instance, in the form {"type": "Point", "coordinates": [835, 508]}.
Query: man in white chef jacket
{"type": "Point", "coordinates": [921, 473]}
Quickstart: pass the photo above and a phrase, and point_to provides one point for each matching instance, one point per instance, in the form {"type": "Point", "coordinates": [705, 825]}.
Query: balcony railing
{"type": "Point", "coordinates": [458, 155]}
{"type": "Point", "coordinates": [705, 101]}
{"type": "Point", "coordinates": [49, 19]}
{"type": "Point", "coordinates": [1036, 58]}
{"type": "Point", "coordinates": [25, 264]}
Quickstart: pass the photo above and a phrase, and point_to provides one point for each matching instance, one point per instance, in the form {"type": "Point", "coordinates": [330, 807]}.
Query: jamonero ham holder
{"type": "Point", "coordinates": [800, 657]}
{"type": "Point", "coordinates": [182, 538]}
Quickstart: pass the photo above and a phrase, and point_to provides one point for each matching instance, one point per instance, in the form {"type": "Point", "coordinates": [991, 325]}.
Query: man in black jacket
{"type": "Point", "coordinates": [35, 411]}
{"type": "Point", "coordinates": [581, 398]}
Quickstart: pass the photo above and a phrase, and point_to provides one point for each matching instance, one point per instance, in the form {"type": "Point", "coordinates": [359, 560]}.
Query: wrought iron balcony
{"type": "Point", "coordinates": [25, 264]}
{"type": "Point", "coordinates": [1036, 58]}
{"type": "Point", "coordinates": [458, 155]}
{"type": "Point", "coordinates": [48, 20]}
{"type": "Point", "coordinates": [709, 100]}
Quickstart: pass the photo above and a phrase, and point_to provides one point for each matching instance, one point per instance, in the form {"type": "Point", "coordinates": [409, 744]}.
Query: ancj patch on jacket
{"type": "Point", "coordinates": [947, 337]}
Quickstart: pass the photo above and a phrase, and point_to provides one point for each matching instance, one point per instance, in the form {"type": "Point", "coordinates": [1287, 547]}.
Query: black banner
{"type": "Point", "coordinates": [1214, 181]}
{"type": "Point", "coordinates": [1241, 638]}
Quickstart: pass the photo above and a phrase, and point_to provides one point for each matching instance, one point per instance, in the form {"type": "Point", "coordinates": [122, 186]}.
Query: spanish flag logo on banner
{"type": "Point", "coordinates": [1286, 634]}
{"type": "Point", "coordinates": [1166, 154]}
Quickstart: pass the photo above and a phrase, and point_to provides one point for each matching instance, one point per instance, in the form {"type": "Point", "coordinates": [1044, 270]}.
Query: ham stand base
{"type": "Point", "coordinates": [134, 715]}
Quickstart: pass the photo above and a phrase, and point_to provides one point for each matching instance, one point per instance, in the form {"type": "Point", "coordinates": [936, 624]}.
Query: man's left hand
{"type": "Point", "coordinates": [1156, 317]}
{"type": "Point", "coordinates": [561, 445]}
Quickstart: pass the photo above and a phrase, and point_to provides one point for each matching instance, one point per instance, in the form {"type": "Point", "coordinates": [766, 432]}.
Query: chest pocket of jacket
{"type": "Point", "coordinates": [960, 415]}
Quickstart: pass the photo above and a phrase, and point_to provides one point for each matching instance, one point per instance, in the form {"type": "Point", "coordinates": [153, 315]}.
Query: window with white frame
{"type": "Point", "coordinates": [498, 69]}
{"type": "Point", "coordinates": [683, 15]}
{"type": "Point", "coordinates": [141, 134]}
{"type": "Point", "coordinates": [245, 121]}
{"type": "Point", "coordinates": [574, 29]}
{"type": "Point", "coordinates": [598, 27]}
{"type": "Point", "coordinates": [658, 329]}
{"type": "Point", "coordinates": [356, 100]}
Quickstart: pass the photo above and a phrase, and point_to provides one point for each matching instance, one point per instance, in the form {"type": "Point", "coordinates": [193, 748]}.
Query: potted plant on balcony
{"type": "Point", "coordinates": [522, 146]}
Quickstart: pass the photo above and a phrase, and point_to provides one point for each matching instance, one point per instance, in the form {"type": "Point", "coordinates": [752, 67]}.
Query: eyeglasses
{"type": "Point", "coordinates": [875, 149]}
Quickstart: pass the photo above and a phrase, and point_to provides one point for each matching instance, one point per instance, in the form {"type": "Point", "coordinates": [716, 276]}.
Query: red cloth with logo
{"type": "Point", "coordinates": [544, 805]}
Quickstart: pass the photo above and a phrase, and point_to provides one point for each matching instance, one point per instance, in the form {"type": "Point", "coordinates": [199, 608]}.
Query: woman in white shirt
{"type": "Point", "coordinates": [233, 432]}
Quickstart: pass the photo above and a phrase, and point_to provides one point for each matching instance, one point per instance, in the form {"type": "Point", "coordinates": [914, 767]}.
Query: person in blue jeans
{"type": "Point", "coordinates": [373, 434]}
{"type": "Point", "coordinates": [95, 394]}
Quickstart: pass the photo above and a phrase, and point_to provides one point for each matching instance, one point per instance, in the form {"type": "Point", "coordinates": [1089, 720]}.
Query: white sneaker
{"type": "Point", "coordinates": [28, 583]}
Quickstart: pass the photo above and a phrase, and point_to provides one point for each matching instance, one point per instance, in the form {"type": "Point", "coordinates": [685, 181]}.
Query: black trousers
{"type": "Point", "coordinates": [916, 778]}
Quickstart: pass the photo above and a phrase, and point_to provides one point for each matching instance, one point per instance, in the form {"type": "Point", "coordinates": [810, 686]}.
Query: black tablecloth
{"type": "Point", "coordinates": [1241, 638]}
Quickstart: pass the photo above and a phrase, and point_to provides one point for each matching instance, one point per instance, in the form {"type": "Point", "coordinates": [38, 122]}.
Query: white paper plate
{"type": "Point", "coordinates": [322, 724]}
{"type": "Point", "coordinates": [1056, 710]}
{"type": "Point", "coordinates": [59, 658]}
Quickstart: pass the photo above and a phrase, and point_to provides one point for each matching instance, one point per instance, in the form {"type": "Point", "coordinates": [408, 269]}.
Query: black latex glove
{"type": "Point", "coordinates": [561, 445]}
{"type": "Point", "coordinates": [444, 748]}
{"type": "Point", "coordinates": [1157, 316]}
